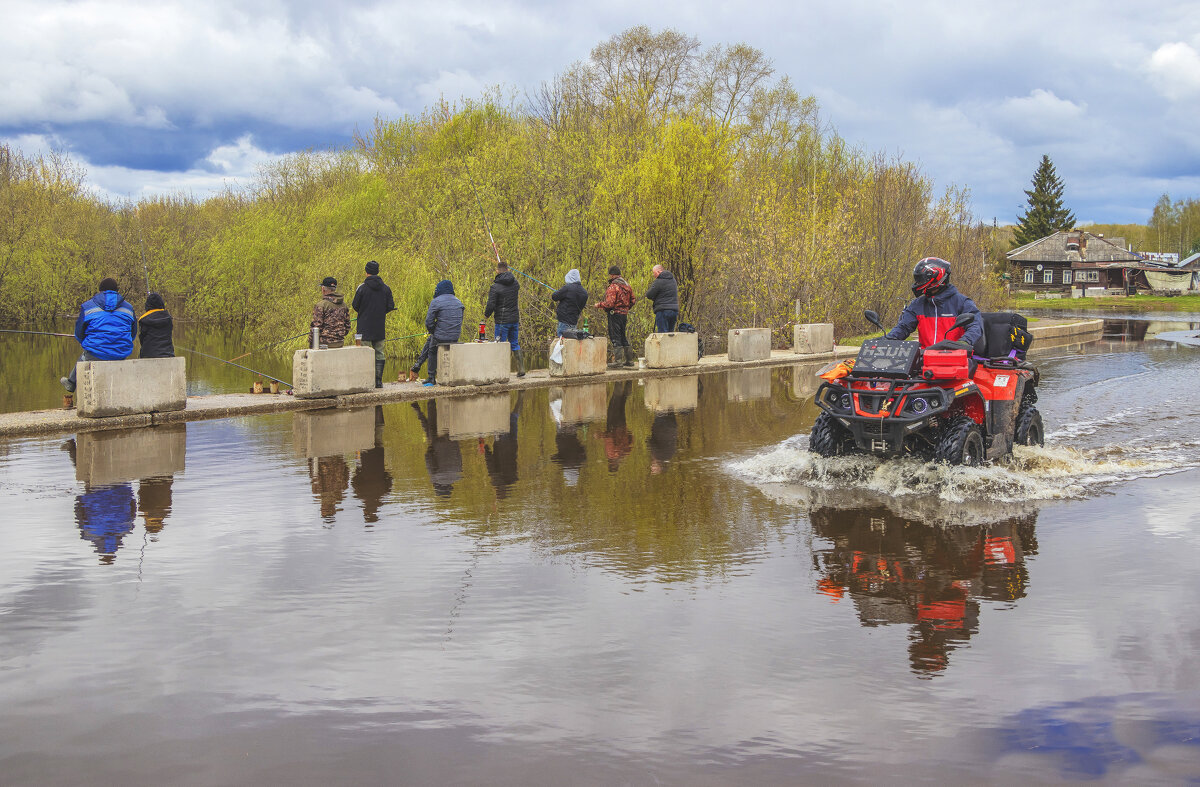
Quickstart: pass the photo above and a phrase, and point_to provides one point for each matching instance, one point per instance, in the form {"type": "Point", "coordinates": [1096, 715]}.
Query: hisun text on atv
{"type": "Point", "coordinates": [948, 404]}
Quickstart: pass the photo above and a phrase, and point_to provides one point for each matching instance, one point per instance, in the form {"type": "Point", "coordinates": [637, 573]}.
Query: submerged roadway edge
{"type": "Point", "coordinates": [202, 408]}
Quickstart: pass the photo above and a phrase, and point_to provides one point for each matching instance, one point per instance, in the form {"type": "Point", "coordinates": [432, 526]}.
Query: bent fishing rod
{"type": "Point", "coordinates": [238, 365]}
{"type": "Point", "coordinates": [38, 333]}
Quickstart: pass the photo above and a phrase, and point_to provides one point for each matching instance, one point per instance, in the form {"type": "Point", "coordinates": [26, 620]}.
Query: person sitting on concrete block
{"type": "Point", "coordinates": [154, 329]}
{"type": "Point", "coordinates": [372, 302]}
{"type": "Point", "coordinates": [331, 315]}
{"type": "Point", "coordinates": [444, 321]}
{"type": "Point", "coordinates": [664, 294]}
{"type": "Point", "coordinates": [105, 329]}
{"type": "Point", "coordinates": [571, 298]}
{"type": "Point", "coordinates": [618, 300]}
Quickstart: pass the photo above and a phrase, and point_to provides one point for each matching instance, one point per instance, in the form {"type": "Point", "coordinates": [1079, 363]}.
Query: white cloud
{"type": "Point", "coordinates": [1175, 70]}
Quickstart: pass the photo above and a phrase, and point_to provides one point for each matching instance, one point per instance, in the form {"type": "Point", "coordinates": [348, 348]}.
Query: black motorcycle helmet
{"type": "Point", "coordinates": [930, 276]}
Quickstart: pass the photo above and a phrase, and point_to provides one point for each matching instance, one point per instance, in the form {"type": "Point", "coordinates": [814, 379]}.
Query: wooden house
{"type": "Point", "coordinates": [1075, 260]}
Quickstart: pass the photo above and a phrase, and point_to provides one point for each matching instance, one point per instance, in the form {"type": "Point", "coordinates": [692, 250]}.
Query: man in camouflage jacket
{"type": "Point", "coordinates": [331, 315]}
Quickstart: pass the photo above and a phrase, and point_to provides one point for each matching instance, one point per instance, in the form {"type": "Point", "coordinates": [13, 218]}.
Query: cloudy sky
{"type": "Point", "coordinates": [188, 96]}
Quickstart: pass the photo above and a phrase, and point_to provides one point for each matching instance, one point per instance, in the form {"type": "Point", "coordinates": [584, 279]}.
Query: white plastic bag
{"type": "Point", "coordinates": [556, 350]}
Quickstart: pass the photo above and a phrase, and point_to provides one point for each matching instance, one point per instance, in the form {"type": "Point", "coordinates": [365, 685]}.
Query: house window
{"type": "Point", "coordinates": [1093, 275]}
{"type": "Point", "coordinates": [1029, 275]}
{"type": "Point", "coordinates": [1048, 276]}
{"type": "Point", "coordinates": [1067, 276]}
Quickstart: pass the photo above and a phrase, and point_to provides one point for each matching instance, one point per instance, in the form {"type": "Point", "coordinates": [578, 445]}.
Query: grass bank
{"type": "Point", "coordinates": [1140, 303]}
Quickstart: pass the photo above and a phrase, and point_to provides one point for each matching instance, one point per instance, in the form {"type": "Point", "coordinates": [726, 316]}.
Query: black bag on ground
{"type": "Point", "coordinates": [687, 327]}
{"type": "Point", "coordinates": [576, 335]}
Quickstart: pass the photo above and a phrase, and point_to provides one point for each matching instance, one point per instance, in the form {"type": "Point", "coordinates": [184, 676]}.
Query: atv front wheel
{"type": "Point", "coordinates": [961, 443]}
{"type": "Point", "coordinates": [829, 437]}
{"type": "Point", "coordinates": [1029, 427]}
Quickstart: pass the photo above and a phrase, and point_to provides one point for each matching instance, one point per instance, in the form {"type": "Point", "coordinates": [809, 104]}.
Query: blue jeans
{"type": "Point", "coordinates": [562, 327]}
{"type": "Point", "coordinates": [664, 321]}
{"type": "Point", "coordinates": [507, 332]}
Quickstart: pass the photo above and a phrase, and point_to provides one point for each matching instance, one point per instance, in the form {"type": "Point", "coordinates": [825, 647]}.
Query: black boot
{"type": "Point", "coordinates": [520, 363]}
{"type": "Point", "coordinates": [379, 373]}
{"type": "Point", "coordinates": [618, 353]}
{"type": "Point", "coordinates": [630, 356]}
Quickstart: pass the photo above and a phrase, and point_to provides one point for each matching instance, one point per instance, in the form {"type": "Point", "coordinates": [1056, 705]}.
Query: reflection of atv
{"type": "Point", "coordinates": [951, 403]}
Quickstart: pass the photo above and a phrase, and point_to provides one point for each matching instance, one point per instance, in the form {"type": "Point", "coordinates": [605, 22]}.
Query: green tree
{"type": "Point", "coordinates": [1046, 213]}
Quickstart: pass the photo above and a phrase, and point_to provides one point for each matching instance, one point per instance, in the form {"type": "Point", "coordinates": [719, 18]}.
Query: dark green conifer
{"type": "Point", "coordinates": [1046, 213]}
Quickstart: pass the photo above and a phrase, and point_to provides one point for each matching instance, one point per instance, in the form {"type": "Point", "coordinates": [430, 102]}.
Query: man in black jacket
{"type": "Point", "coordinates": [502, 301]}
{"type": "Point", "coordinates": [372, 302]}
{"type": "Point", "coordinates": [664, 293]}
{"type": "Point", "coordinates": [571, 298]}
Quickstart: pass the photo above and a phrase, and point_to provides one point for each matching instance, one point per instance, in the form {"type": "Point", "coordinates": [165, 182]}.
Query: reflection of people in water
{"type": "Point", "coordinates": [618, 441]}
{"type": "Point", "coordinates": [571, 453]}
{"type": "Point", "coordinates": [372, 481]}
{"type": "Point", "coordinates": [928, 577]}
{"type": "Point", "coordinates": [154, 502]}
{"type": "Point", "coordinates": [104, 513]}
{"type": "Point", "coordinates": [501, 456]}
{"type": "Point", "coordinates": [330, 477]}
{"type": "Point", "coordinates": [443, 457]}
{"type": "Point", "coordinates": [664, 441]}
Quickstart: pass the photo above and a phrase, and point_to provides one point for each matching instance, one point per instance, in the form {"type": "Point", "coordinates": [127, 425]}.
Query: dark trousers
{"type": "Point", "coordinates": [423, 355]}
{"type": "Point", "coordinates": [433, 359]}
{"type": "Point", "coordinates": [664, 321]}
{"type": "Point", "coordinates": [616, 329]}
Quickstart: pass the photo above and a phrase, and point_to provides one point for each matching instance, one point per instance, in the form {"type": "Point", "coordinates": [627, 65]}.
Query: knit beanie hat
{"type": "Point", "coordinates": [372, 267]}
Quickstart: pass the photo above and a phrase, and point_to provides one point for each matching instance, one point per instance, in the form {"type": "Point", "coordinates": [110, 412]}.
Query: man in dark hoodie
{"type": "Point", "coordinates": [571, 297]}
{"type": "Point", "coordinates": [372, 301]}
{"type": "Point", "coordinates": [331, 315]}
{"type": "Point", "coordinates": [502, 300]}
{"type": "Point", "coordinates": [105, 328]}
{"type": "Point", "coordinates": [154, 329]}
{"type": "Point", "coordinates": [664, 294]}
{"type": "Point", "coordinates": [444, 322]}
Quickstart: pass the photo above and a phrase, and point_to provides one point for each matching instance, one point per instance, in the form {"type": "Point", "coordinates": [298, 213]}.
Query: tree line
{"type": "Point", "coordinates": [653, 150]}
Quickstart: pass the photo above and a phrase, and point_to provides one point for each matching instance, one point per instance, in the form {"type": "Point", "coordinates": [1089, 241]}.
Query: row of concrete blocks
{"type": "Point", "coordinates": [110, 388]}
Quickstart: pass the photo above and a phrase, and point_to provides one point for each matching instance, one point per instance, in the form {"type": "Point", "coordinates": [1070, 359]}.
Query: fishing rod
{"type": "Point", "coordinates": [281, 341]}
{"type": "Point", "coordinates": [38, 333]}
{"type": "Point", "coordinates": [487, 226]}
{"type": "Point", "coordinates": [409, 336]}
{"type": "Point", "coordinates": [142, 242]}
{"type": "Point", "coordinates": [238, 365]}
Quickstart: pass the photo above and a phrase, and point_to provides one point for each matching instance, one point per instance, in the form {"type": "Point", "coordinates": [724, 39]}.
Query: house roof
{"type": "Point", "coordinates": [1192, 262]}
{"type": "Point", "coordinates": [1092, 249]}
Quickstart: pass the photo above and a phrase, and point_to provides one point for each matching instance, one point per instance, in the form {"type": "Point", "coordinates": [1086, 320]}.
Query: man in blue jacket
{"type": "Point", "coordinates": [105, 329]}
{"type": "Point", "coordinates": [932, 313]}
{"type": "Point", "coordinates": [444, 322]}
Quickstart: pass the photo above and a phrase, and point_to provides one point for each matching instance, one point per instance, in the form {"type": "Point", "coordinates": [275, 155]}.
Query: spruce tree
{"type": "Point", "coordinates": [1046, 213]}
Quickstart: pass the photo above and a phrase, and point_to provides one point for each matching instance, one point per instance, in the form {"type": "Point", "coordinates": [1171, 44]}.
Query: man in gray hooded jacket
{"type": "Point", "coordinates": [444, 322]}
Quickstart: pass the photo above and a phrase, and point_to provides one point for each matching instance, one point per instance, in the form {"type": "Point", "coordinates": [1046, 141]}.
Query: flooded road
{"type": "Point", "coordinates": [617, 583]}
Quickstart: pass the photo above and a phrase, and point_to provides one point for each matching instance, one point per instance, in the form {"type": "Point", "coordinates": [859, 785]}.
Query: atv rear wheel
{"type": "Point", "coordinates": [1029, 427]}
{"type": "Point", "coordinates": [829, 437]}
{"type": "Point", "coordinates": [961, 443]}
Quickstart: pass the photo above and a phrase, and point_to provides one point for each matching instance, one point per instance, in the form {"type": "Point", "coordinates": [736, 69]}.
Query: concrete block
{"type": "Point", "coordinates": [579, 404]}
{"type": "Point", "coordinates": [333, 432]}
{"type": "Point", "coordinates": [812, 338]}
{"type": "Point", "coordinates": [748, 385]}
{"type": "Point", "coordinates": [672, 394]}
{"type": "Point", "coordinates": [473, 363]}
{"type": "Point", "coordinates": [138, 385]}
{"type": "Point", "coordinates": [749, 344]}
{"type": "Point", "coordinates": [805, 381]}
{"type": "Point", "coordinates": [130, 454]}
{"type": "Point", "coordinates": [333, 372]}
{"type": "Point", "coordinates": [671, 350]}
{"type": "Point", "coordinates": [581, 357]}
{"type": "Point", "coordinates": [467, 417]}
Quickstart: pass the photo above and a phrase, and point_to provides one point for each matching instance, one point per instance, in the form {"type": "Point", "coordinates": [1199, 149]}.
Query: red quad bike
{"type": "Point", "coordinates": [951, 403]}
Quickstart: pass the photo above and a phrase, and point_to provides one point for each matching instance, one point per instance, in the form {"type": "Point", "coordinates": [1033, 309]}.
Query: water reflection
{"type": "Point", "coordinates": [372, 482]}
{"type": "Point", "coordinates": [107, 463]}
{"type": "Point", "coordinates": [443, 457]}
{"type": "Point", "coordinates": [324, 438]}
{"type": "Point", "coordinates": [928, 577]}
{"type": "Point", "coordinates": [501, 456]}
{"type": "Point", "coordinates": [618, 440]}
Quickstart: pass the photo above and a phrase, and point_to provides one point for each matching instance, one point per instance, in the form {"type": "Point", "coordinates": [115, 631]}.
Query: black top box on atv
{"type": "Point", "coordinates": [887, 358]}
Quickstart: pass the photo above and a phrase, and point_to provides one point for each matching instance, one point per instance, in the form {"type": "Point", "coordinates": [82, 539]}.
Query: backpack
{"type": "Point", "coordinates": [687, 327]}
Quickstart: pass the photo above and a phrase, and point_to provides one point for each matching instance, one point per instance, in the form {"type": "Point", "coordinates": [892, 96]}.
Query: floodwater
{"type": "Point", "coordinates": [622, 583]}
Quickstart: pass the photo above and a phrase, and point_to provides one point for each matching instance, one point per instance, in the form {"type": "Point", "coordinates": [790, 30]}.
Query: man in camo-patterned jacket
{"type": "Point", "coordinates": [331, 315]}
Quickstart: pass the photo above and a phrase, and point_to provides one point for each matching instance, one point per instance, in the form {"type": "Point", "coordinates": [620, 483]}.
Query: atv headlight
{"type": "Point", "coordinates": [918, 405]}
{"type": "Point", "coordinates": [846, 402]}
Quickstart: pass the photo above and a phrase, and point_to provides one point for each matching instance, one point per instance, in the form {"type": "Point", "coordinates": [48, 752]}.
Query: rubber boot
{"type": "Point", "coordinates": [630, 357]}
{"type": "Point", "coordinates": [379, 373]}
{"type": "Point", "coordinates": [520, 363]}
{"type": "Point", "coordinates": [618, 354]}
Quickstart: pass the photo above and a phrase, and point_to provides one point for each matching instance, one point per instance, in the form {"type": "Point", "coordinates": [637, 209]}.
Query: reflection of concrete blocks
{"type": "Point", "coordinates": [749, 344]}
{"type": "Point", "coordinates": [581, 357]}
{"type": "Point", "coordinates": [672, 394]}
{"type": "Point", "coordinates": [474, 363]}
{"type": "Point", "coordinates": [580, 404]}
{"type": "Point", "coordinates": [813, 338]}
{"type": "Point", "coordinates": [463, 418]}
{"type": "Point", "coordinates": [138, 385]}
{"type": "Point", "coordinates": [344, 370]}
{"type": "Point", "coordinates": [125, 455]}
{"type": "Point", "coordinates": [671, 350]}
{"type": "Point", "coordinates": [333, 432]}
{"type": "Point", "coordinates": [805, 381]}
{"type": "Point", "coordinates": [747, 385]}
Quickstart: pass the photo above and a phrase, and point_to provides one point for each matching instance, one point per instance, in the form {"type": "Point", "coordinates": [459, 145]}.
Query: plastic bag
{"type": "Point", "coordinates": [556, 351]}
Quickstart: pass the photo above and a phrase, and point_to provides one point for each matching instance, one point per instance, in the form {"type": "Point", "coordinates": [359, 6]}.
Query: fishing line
{"type": "Point", "coordinates": [38, 333]}
{"type": "Point", "coordinates": [238, 365]}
